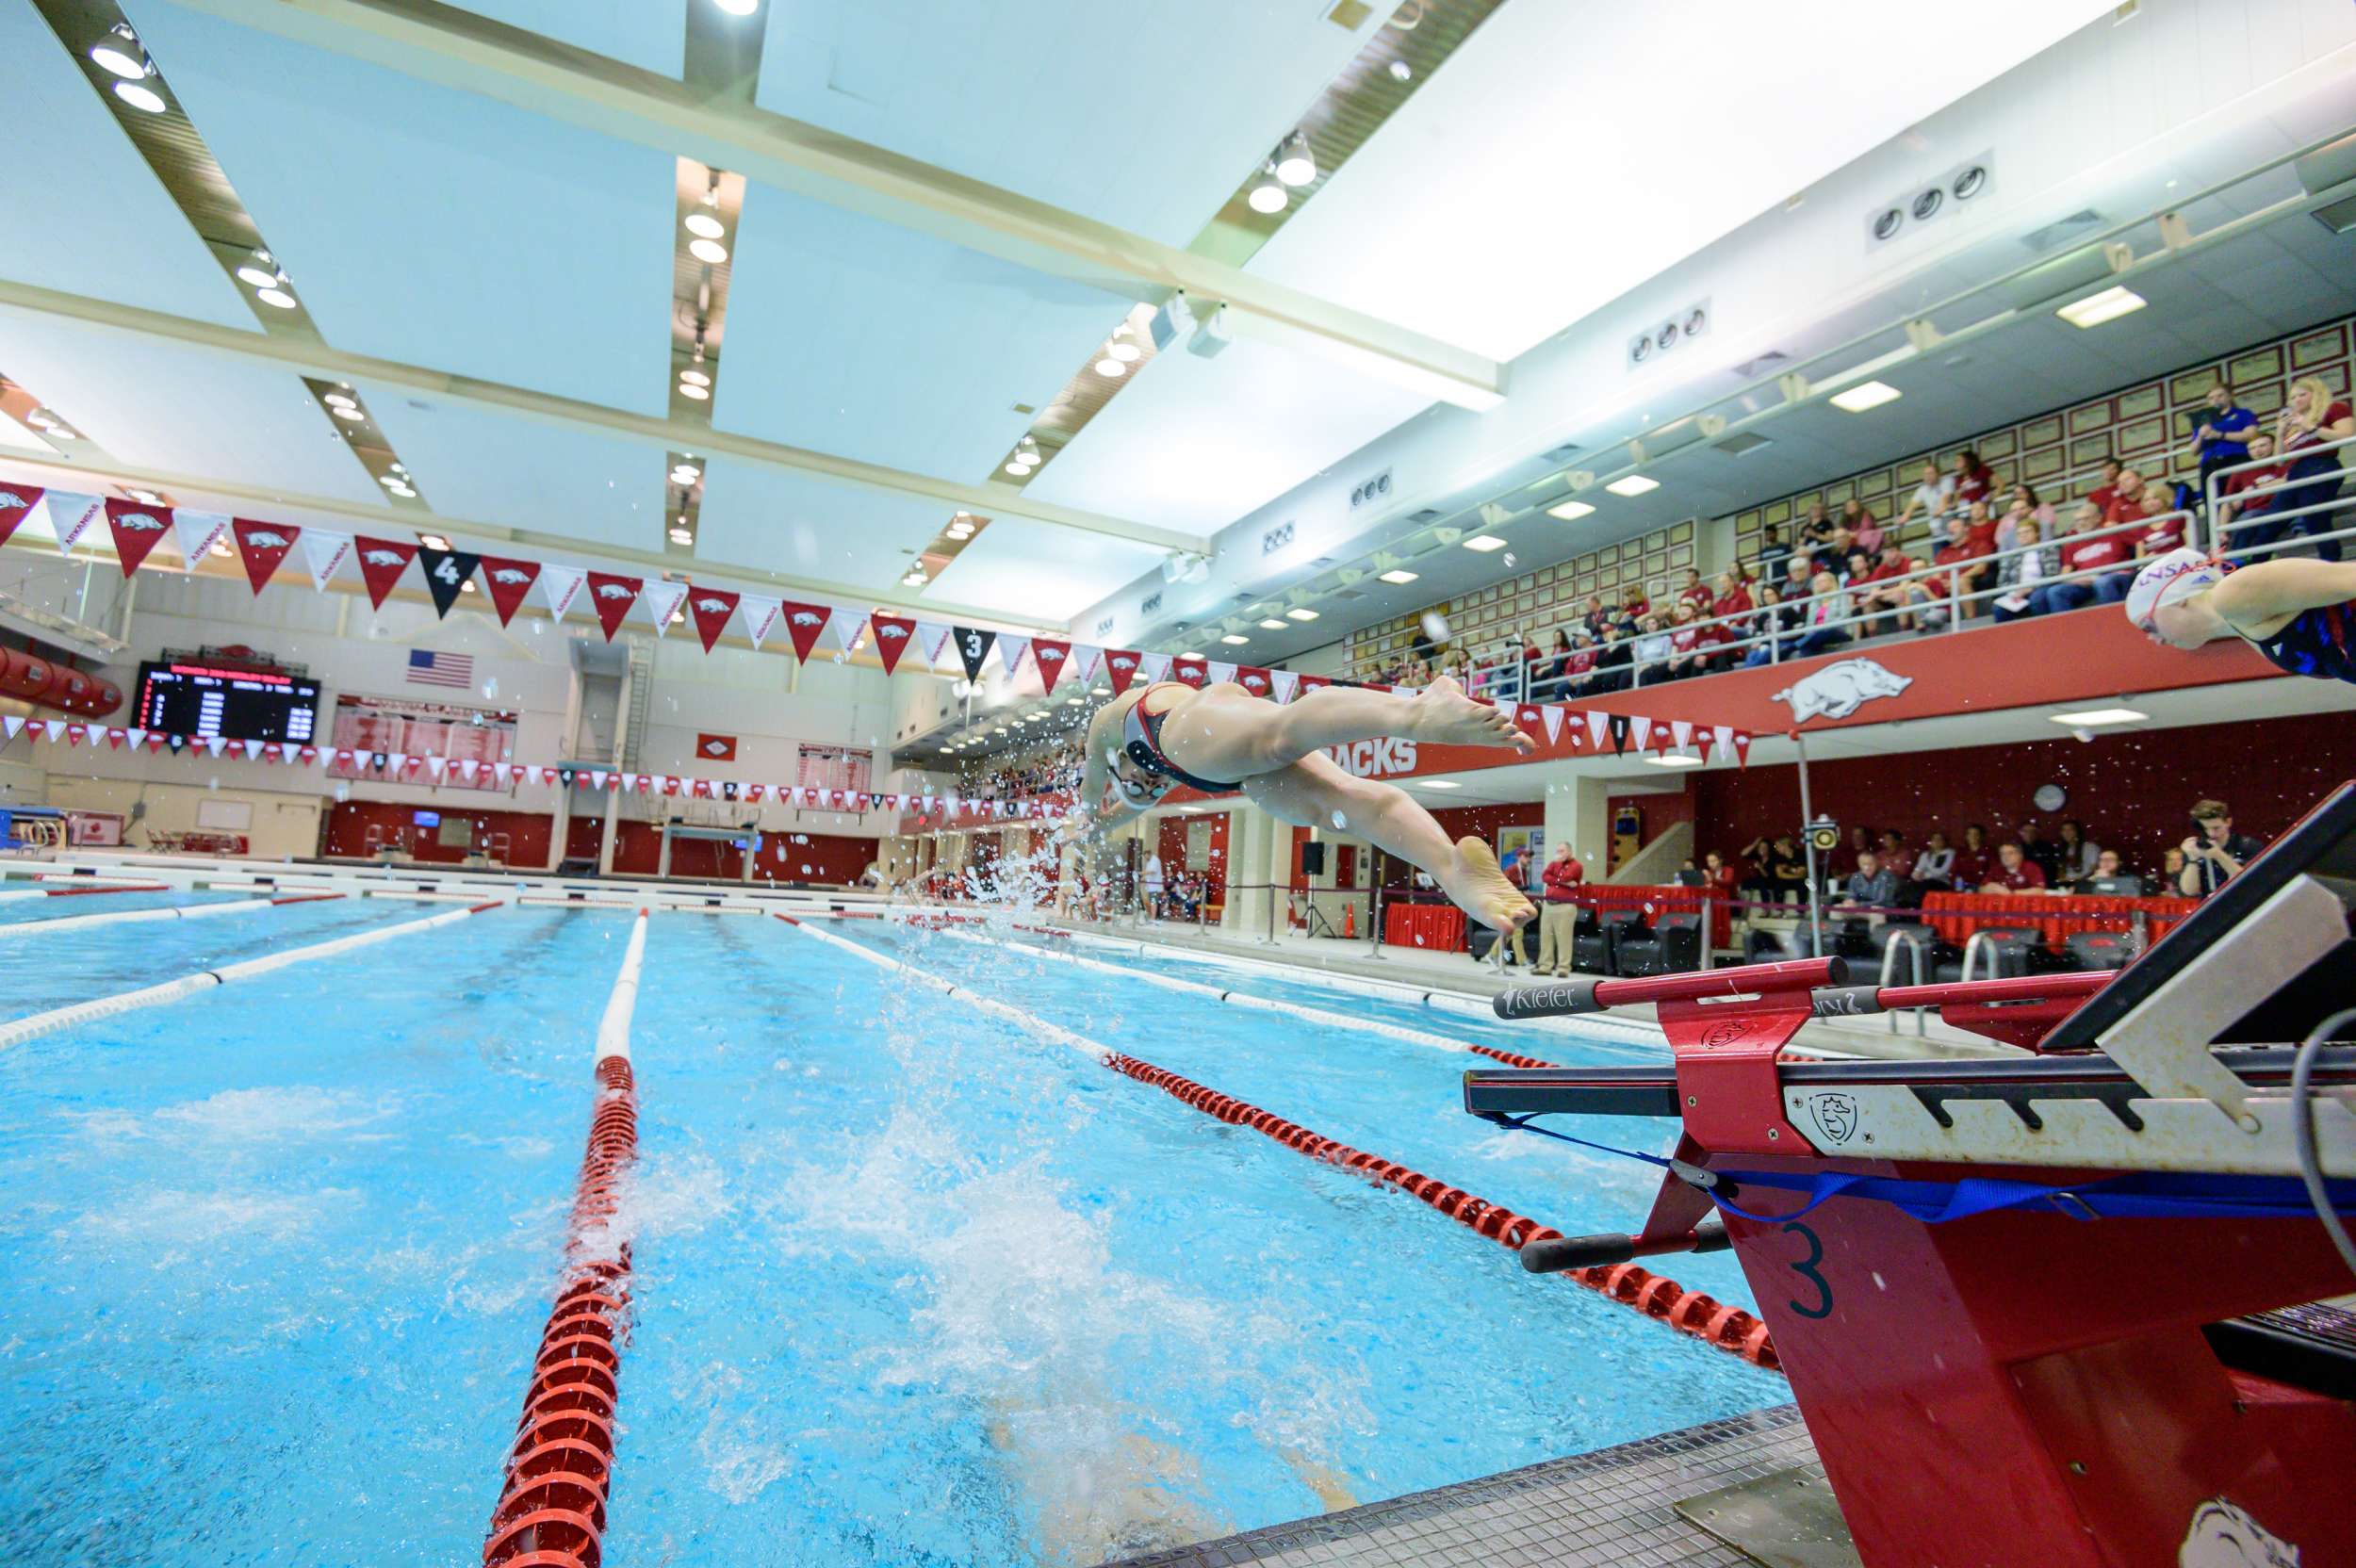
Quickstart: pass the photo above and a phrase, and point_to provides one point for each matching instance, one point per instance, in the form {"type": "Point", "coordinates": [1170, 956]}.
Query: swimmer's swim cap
{"type": "Point", "coordinates": [2171, 580]}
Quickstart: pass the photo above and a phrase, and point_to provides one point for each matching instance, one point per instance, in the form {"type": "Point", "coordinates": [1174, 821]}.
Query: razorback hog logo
{"type": "Point", "coordinates": [509, 574]}
{"type": "Point", "coordinates": [139, 522]}
{"type": "Point", "coordinates": [2224, 1535]}
{"type": "Point", "coordinates": [613, 590]}
{"type": "Point", "coordinates": [11, 498]}
{"type": "Point", "coordinates": [1053, 656]}
{"type": "Point", "coordinates": [1256, 683]}
{"type": "Point", "coordinates": [1840, 690]}
{"type": "Point", "coordinates": [382, 558]}
{"type": "Point", "coordinates": [1376, 758]}
{"type": "Point", "coordinates": [716, 748]}
{"type": "Point", "coordinates": [720, 606]}
{"type": "Point", "coordinates": [262, 539]}
{"type": "Point", "coordinates": [894, 633]}
{"type": "Point", "coordinates": [803, 617]}
{"type": "Point", "coordinates": [1122, 661]}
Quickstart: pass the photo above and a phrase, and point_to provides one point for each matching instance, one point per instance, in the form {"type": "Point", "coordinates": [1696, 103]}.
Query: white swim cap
{"type": "Point", "coordinates": [2171, 580]}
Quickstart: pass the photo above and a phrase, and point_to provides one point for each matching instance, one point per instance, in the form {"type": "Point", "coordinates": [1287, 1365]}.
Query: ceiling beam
{"type": "Point", "coordinates": [665, 435]}
{"type": "Point", "coordinates": [64, 471]}
{"type": "Point", "coordinates": [459, 49]}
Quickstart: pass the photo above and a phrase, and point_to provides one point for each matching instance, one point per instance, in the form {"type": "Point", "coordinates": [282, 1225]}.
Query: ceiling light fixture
{"type": "Point", "coordinates": [352, 414]}
{"type": "Point", "coordinates": [432, 540]}
{"type": "Point", "coordinates": [1484, 543]}
{"type": "Point", "coordinates": [1295, 164]}
{"type": "Point", "coordinates": [1127, 353]}
{"type": "Point", "coordinates": [1274, 626]}
{"type": "Point", "coordinates": [1235, 639]}
{"type": "Point", "coordinates": [121, 62]}
{"type": "Point", "coordinates": [738, 8]}
{"type": "Point", "coordinates": [709, 251]}
{"type": "Point", "coordinates": [1302, 614]}
{"type": "Point", "coordinates": [1439, 783]}
{"type": "Point", "coordinates": [1020, 470]}
{"type": "Point", "coordinates": [1267, 194]}
{"type": "Point", "coordinates": [58, 432]}
{"type": "Point", "coordinates": [278, 297]}
{"type": "Point", "coordinates": [257, 278]}
{"type": "Point", "coordinates": [2095, 309]}
{"type": "Point", "coordinates": [340, 399]}
{"type": "Point", "coordinates": [704, 226]}
{"type": "Point", "coordinates": [140, 97]}
{"type": "Point", "coordinates": [404, 492]}
{"type": "Point", "coordinates": [1675, 759]}
{"type": "Point", "coordinates": [685, 473]}
{"type": "Point", "coordinates": [1400, 575]}
{"type": "Point", "coordinates": [1570, 511]}
{"type": "Point", "coordinates": [1402, 72]}
{"type": "Point", "coordinates": [689, 390]}
{"type": "Point", "coordinates": [1632, 484]}
{"type": "Point", "coordinates": [695, 378]}
{"type": "Point", "coordinates": [1110, 367]}
{"type": "Point", "coordinates": [2088, 717]}
{"type": "Point", "coordinates": [682, 536]}
{"type": "Point", "coordinates": [1865, 394]}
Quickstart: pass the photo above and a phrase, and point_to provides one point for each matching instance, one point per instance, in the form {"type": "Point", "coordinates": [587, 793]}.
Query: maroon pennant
{"type": "Point", "coordinates": [157, 741]}
{"type": "Point", "coordinates": [115, 739]}
{"type": "Point", "coordinates": [1052, 657]}
{"type": "Point", "coordinates": [612, 596]}
{"type": "Point", "coordinates": [754, 791]}
{"type": "Point", "coordinates": [1120, 667]}
{"type": "Point", "coordinates": [893, 633]}
{"type": "Point", "coordinates": [670, 785]}
{"type": "Point", "coordinates": [137, 526]}
{"type": "Point", "coordinates": [16, 504]}
{"type": "Point", "coordinates": [263, 546]}
{"type": "Point", "coordinates": [712, 608]}
{"type": "Point", "coordinates": [1190, 670]}
{"type": "Point", "coordinates": [382, 562]}
{"type": "Point", "coordinates": [507, 582]}
{"type": "Point", "coordinates": [803, 623]}
{"type": "Point", "coordinates": [1742, 750]}
{"type": "Point", "coordinates": [1311, 682]}
{"type": "Point", "coordinates": [1252, 679]}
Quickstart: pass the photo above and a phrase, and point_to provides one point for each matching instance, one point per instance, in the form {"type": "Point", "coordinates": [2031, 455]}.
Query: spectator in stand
{"type": "Point", "coordinates": [2075, 856]}
{"type": "Point", "coordinates": [1634, 607]}
{"type": "Point", "coordinates": [1896, 858]}
{"type": "Point", "coordinates": [2167, 524]}
{"type": "Point", "coordinates": [1782, 873]}
{"type": "Point", "coordinates": [1614, 660]}
{"type": "Point", "coordinates": [1857, 575]}
{"type": "Point", "coordinates": [1718, 878]}
{"type": "Point", "coordinates": [1774, 624]}
{"type": "Point", "coordinates": [2014, 873]}
{"type": "Point", "coordinates": [1579, 665]}
{"type": "Point", "coordinates": [1153, 884]}
{"type": "Point", "coordinates": [1929, 595]}
{"type": "Point", "coordinates": [1695, 591]}
{"type": "Point", "coordinates": [1885, 591]}
{"type": "Point", "coordinates": [1936, 866]}
{"type": "Point", "coordinates": [2109, 879]}
{"type": "Point", "coordinates": [1974, 483]}
{"type": "Point", "coordinates": [1822, 619]}
{"type": "Point", "coordinates": [2043, 852]}
{"type": "Point", "coordinates": [1554, 671]}
{"type": "Point", "coordinates": [2126, 502]}
{"type": "Point", "coordinates": [2106, 488]}
{"type": "Point", "coordinates": [1872, 884]}
{"type": "Point", "coordinates": [1979, 521]}
{"type": "Point", "coordinates": [2018, 576]}
{"type": "Point", "coordinates": [2215, 853]}
{"type": "Point", "coordinates": [1799, 573]}
{"type": "Point", "coordinates": [1864, 533]}
{"type": "Point", "coordinates": [1558, 912]}
{"type": "Point", "coordinates": [1596, 616]}
{"type": "Point", "coordinates": [1932, 500]}
{"type": "Point", "coordinates": [2309, 421]}
{"type": "Point", "coordinates": [2086, 549]}
{"type": "Point", "coordinates": [2023, 494]}
{"type": "Point", "coordinates": [1815, 539]}
{"type": "Point", "coordinates": [1652, 652]}
{"type": "Point", "coordinates": [2220, 432]}
{"type": "Point", "coordinates": [1773, 553]}
{"type": "Point", "coordinates": [1843, 860]}
{"type": "Point", "coordinates": [2235, 505]}
{"type": "Point", "coordinates": [1974, 860]}
{"type": "Point", "coordinates": [1689, 655]}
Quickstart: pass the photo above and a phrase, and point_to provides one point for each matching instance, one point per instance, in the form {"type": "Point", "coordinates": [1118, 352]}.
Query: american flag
{"type": "Point", "coordinates": [440, 669]}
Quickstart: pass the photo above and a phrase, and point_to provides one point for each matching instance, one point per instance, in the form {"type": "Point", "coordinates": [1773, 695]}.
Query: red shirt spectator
{"type": "Point", "coordinates": [1972, 859]}
{"type": "Point", "coordinates": [2014, 871]}
{"type": "Point", "coordinates": [1561, 878]}
{"type": "Point", "coordinates": [2126, 502]}
{"type": "Point", "coordinates": [1737, 603]}
{"type": "Point", "coordinates": [2106, 492]}
{"type": "Point", "coordinates": [2086, 553]}
{"type": "Point", "coordinates": [2168, 533]}
{"type": "Point", "coordinates": [1972, 479]}
{"type": "Point", "coordinates": [1579, 662]}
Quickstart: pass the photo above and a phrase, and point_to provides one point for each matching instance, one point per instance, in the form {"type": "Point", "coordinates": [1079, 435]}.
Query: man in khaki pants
{"type": "Point", "coordinates": [1558, 914]}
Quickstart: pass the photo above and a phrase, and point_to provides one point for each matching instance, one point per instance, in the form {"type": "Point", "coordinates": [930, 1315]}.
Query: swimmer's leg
{"type": "Point", "coordinates": [1225, 732]}
{"type": "Point", "coordinates": [1313, 793]}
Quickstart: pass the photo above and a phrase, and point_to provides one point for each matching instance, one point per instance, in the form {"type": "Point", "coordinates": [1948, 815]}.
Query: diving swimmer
{"type": "Point", "coordinates": [1222, 738]}
{"type": "Point", "coordinates": [2299, 614]}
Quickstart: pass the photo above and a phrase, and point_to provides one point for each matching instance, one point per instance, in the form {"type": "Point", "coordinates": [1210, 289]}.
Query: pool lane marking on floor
{"type": "Point", "coordinates": [126, 917]}
{"type": "Point", "coordinates": [37, 1025]}
{"type": "Point", "coordinates": [1702, 1317]}
{"type": "Point", "coordinates": [560, 1467]}
{"type": "Point", "coordinates": [1241, 999]}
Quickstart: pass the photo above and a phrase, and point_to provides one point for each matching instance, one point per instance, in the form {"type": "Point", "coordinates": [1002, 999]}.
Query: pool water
{"type": "Point", "coordinates": [910, 1284]}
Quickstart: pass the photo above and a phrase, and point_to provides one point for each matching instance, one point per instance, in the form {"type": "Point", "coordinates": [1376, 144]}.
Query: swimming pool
{"type": "Point", "coordinates": [910, 1284]}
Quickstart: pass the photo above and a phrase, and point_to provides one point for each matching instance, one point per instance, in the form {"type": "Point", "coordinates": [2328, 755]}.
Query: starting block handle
{"type": "Point", "coordinates": [1594, 996]}
{"type": "Point", "coordinates": [1600, 1252]}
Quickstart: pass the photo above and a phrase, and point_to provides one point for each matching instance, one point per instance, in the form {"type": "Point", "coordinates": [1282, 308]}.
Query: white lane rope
{"type": "Point", "coordinates": [24, 1029]}
{"type": "Point", "coordinates": [123, 916]}
{"type": "Point", "coordinates": [614, 1028]}
{"type": "Point", "coordinates": [1233, 998]}
{"type": "Point", "coordinates": [1030, 1023]}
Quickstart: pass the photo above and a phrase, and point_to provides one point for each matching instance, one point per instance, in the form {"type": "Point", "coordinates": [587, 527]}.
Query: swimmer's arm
{"type": "Point", "coordinates": [2260, 597]}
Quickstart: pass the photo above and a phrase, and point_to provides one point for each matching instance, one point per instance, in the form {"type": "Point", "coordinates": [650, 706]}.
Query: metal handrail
{"type": "Point", "coordinates": [1890, 963]}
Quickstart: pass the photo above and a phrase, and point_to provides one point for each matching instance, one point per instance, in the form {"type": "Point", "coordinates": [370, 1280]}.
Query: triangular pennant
{"type": "Point", "coordinates": [16, 504]}
{"type": "Point", "coordinates": [508, 581]}
{"type": "Point", "coordinates": [134, 738]}
{"type": "Point", "coordinates": [560, 586]}
{"type": "Point", "coordinates": [10, 727]}
{"type": "Point", "coordinates": [712, 608]}
{"type": "Point", "coordinates": [1741, 748]}
{"type": "Point", "coordinates": [1284, 685]}
{"type": "Point", "coordinates": [1598, 724]}
{"type": "Point", "coordinates": [214, 743]}
{"type": "Point", "coordinates": [382, 562]}
{"type": "Point", "coordinates": [1551, 716]}
{"type": "Point", "coordinates": [1640, 728]}
{"type": "Point", "coordinates": [468, 768]}
{"type": "Point", "coordinates": [71, 517]}
{"type": "Point", "coordinates": [437, 766]}
{"type": "Point", "coordinates": [1682, 732]}
{"type": "Point", "coordinates": [262, 546]}
{"type": "Point", "coordinates": [115, 739]}
{"type": "Point", "coordinates": [197, 532]}
{"type": "Point", "coordinates": [670, 785]}
{"type": "Point", "coordinates": [1722, 741]}
{"type": "Point", "coordinates": [611, 596]}
{"type": "Point", "coordinates": [761, 615]}
{"type": "Point", "coordinates": [1086, 661]}
{"type": "Point", "coordinates": [1011, 651]}
{"type": "Point", "coordinates": [893, 636]}
{"type": "Point", "coordinates": [1617, 724]}
{"type": "Point", "coordinates": [974, 646]}
{"type": "Point", "coordinates": [500, 773]}
{"type": "Point", "coordinates": [1314, 682]}
{"type": "Point", "coordinates": [662, 600]}
{"type": "Point", "coordinates": [932, 636]}
{"type": "Point", "coordinates": [803, 623]}
{"type": "Point", "coordinates": [1120, 667]}
{"type": "Point", "coordinates": [754, 791]}
{"type": "Point", "coordinates": [74, 733]}
{"type": "Point", "coordinates": [597, 778]}
{"type": "Point", "coordinates": [1252, 679]}
{"type": "Point", "coordinates": [846, 627]}
{"type": "Point", "coordinates": [1152, 667]}
{"type": "Point", "coordinates": [157, 741]}
{"type": "Point", "coordinates": [1218, 672]}
{"type": "Point", "coordinates": [138, 528]}
{"type": "Point", "coordinates": [1050, 655]}
{"type": "Point", "coordinates": [1190, 669]}
{"type": "Point", "coordinates": [323, 552]}
{"type": "Point", "coordinates": [446, 574]}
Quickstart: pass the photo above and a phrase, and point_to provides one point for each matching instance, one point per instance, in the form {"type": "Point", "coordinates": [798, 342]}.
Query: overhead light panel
{"type": "Point", "coordinates": [1439, 783]}
{"type": "Point", "coordinates": [1110, 367]}
{"type": "Point", "coordinates": [704, 226]}
{"type": "Point", "coordinates": [694, 393]}
{"type": "Point", "coordinates": [738, 8]}
{"type": "Point", "coordinates": [694, 378]}
{"type": "Point", "coordinates": [1675, 759]}
{"type": "Point", "coordinates": [118, 53]}
{"type": "Point", "coordinates": [139, 96]}
{"type": "Point", "coordinates": [1399, 574]}
{"type": "Point", "coordinates": [1295, 164]}
{"type": "Point", "coordinates": [708, 251]}
{"type": "Point", "coordinates": [1570, 511]}
{"type": "Point", "coordinates": [257, 277]}
{"type": "Point", "coordinates": [1266, 193]}
{"type": "Point", "coordinates": [1865, 394]}
{"type": "Point", "coordinates": [2087, 718]}
{"type": "Point", "coordinates": [1274, 626]}
{"type": "Point", "coordinates": [2108, 305]}
{"type": "Point", "coordinates": [277, 297]}
{"type": "Point", "coordinates": [1484, 543]}
{"type": "Point", "coordinates": [1632, 484]}
{"type": "Point", "coordinates": [1235, 639]}
{"type": "Point", "coordinates": [1302, 614]}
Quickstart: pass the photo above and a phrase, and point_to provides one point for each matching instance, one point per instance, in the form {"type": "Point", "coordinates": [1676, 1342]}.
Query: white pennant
{"type": "Point", "coordinates": [1219, 672]}
{"type": "Point", "coordinates": [561, 585]}
{"type": "Point", "coordinates": [1012, 649]}
{"type": "Point", "coordinates": [662, 600]}
{"type": "Point", "coordinates": [1681, 732]}
{"type": "Point", "coordinates": [396, 763]}
{"type": "Point", "coordinates": [500, 772]}
{"type": "Point", "coordinates": [72, 516]}
{"type": "Point", "coordinates": [12, 724]}
{"type": "Point", "coordinates": [1552, 715]}
{"type": "Point", "coordinates": [1598, 726]}
{"type": "Point", "coordinates": [844, 626]}
{"type": "Point", "coordinates": [1285, 685]}
{"type": "Point", "coordinates": [597, 778]}
{"type": "Point", "coordinates": [468, 768]}
{"type": "Point", "coordinates": [214, 743]}
{"type": "Point", "coordinates": [761, 615]}
{"type": "Point", "coordinates": [1639, 730]}
{"type": "Point", "coordinates": [1723, 735]}
{"type": "Point", "coordinates": [437, 766]}
{"type": "Point", "coordinates": [1152, 667]}
{"type": "Point", "coordinates": [197, 532]}
{"type": "Point", "coordinates": [132, 738]}
{"type": "Point", "coordinates": [323, 552]}
{"type": "Point", "coordinates": [931, 636]}
{"type": "Point", "coordinates": [1086, 661]}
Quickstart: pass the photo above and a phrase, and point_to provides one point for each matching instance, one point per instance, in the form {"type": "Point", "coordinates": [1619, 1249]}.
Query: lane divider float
{"type": "Point", "coordinates": [559, 1468]}
{"type": "Point", "coordinates": [85, 893]}
{"type": "Point", "coordinates": [23, 1029]}
{"type": "Point", "coordinates": [1690, 1312]}
{"type": "Point", "coordinates": [126, 917]}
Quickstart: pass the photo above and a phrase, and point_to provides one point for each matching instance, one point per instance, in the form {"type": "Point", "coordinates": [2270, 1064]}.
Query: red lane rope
{"type": "Point", "coordinates": [124, 888]}
{"type": "Point", "coordinates": [1508, 1057]}
{"type": "Point", "coordinates": [1690, 1312]}
{"type": "Point", "coordinates": [552, 1511]}
{"type": "Point", "coordinates": [306, 898]}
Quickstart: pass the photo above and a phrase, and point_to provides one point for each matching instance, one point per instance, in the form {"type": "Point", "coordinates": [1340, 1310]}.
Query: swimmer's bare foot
{"type": "Point", "coordinates": [1477, 885]}
{"type": "Point", "coordinates": [1442, 712]}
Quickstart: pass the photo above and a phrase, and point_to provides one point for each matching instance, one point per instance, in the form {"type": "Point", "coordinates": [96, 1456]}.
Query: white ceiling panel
{"type": "Point", "coordinates": [649, 34]}
{"type": "Point", "coordinates": [1195, 444]}
{"type": "Point", "coordinates": [1567, 154]}
{"type": "Point", "coordinates": [83, 212]}
{"type": "Point", "coordinates": [157, 404]}
{"type": "Point", "coordinates": [778, 521]}
{"type": "Point", "coordinates": [20, 438]}
{"type": "Point", "coordinates": [434, 226]}
{"type": "Point", "coordinates": [520, 472]}
{"type": "Point", "coordinates": [1036, 570]}
{"type": "Point", "coordinates": [851, 336]}
{"type": "Point", "coordinates": [1145, 115]}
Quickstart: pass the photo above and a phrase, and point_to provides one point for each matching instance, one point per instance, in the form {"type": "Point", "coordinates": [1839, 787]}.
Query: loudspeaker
{"type": "Point", "coordinates": [1313, 859]}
